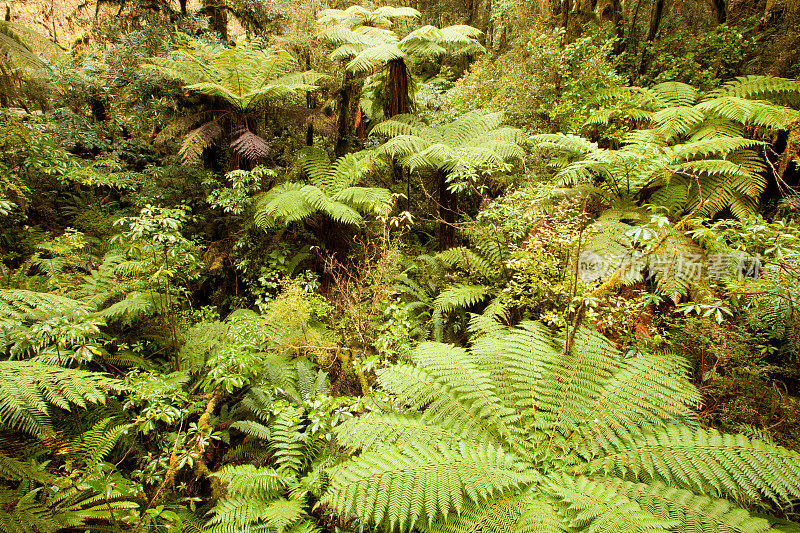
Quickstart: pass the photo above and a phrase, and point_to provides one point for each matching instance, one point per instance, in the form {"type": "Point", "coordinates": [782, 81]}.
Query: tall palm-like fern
{"type": "Point", "coordinates": [695, 150]}
{"type": "Point", "coordinates": [366, 41]}
{"type": "Point", "coordinates": [476, 139]}
{"type": "Point", "coordinates": [245, 77]}
{"type": "Point", "coordinates": [515, 435]}
{"type": "Point", "coordinates": [331, 191]}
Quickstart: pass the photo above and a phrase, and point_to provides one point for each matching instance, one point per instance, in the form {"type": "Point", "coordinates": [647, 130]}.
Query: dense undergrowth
{"type": "Point", "coordinates": [278, 266]}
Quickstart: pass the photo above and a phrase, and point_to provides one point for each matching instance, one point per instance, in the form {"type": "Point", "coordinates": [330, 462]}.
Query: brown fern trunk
{"type": "Point", "coordinates": [398, 102]}
{"type": "Point", "coordinates": [310, 104]}
{"type": "Point", "coordinates": [448, 207]}
{"type": "Point", "coordinates": [721, 10]}
{"type": "Point", "coordinates": [615, 7]}
{"type": "Point", "coordinates": [348, 104]}
{"type": "Point", "coordinates": [655, 23]}
{"type": "Point", "coordinates": [217, 17]}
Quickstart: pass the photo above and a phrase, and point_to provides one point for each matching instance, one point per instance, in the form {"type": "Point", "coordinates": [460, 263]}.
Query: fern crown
{"type": "Point", "coordinates": [514, 435]}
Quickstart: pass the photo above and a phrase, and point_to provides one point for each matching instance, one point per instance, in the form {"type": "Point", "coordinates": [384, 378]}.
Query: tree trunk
{"type": "Point", "coordinates": [310, 104]}
{"type": "Point", "coordinates": [619, 26]}
{"type": "Point", "coordinates": [217, 17]}
{"type": "Point", "coordinates": [448, 207]}
{"type": "Point", "coordinates": [565, 7]}
{"type": "Point", "coordinates": [97, 105]}
{"type": "Point", "coordinates": [655, 23]}
{"type": "Point", "coordinates": [183, 6]}
{"type": "Point", "coordinates": [348, 104]}
{"type": "Point", "coordinates": [398, 101]}
{"type": "Point", "coordinates": [721, 10]}
{"type": "Point", "coordinates": [655, 20]}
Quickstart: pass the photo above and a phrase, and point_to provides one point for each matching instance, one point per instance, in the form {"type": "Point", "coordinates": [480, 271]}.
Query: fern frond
{"type": "Point", "coordinates": [250, 146]}
{"type": "Point", "coordinates": [234, 514]}
{"type": "Point", "coordinates": [253, 482]}
{"type": "Point", "coordinates": [388, 487]}
{"type": "Point", "coordinates": [252, 428]}
{"type": "Point", "coordinates": [22, 305]}
{"type": "Point", "coordinates": [197, 140]}
{"type": "Point", "coordinates": [27, 389]}
{"type": "Point", "coordinates": [599, 508]}
{"type": "Point", "coordinates": [460, 296]}
{"type": "Point", "coordinates": [288, 440]}
{"type": "Point", "coordinates": [691, 511]}
{"type": "Point", "coordinates": [469, 261]}
{"type": "Point", "coordinates": [98, 442]}
{"type": "Point", "coordinates": [706, 461]}
{"type": "Point", "coordinates": [137, 305]}
{"type": "Point", "coordinates": [758, 87]}
{"type": "Point", "coordinates": [315, 163]}
{"type": "Point", "coordinates": [449, 395]}
{"type": "Point", "coordinates": [374, 430]}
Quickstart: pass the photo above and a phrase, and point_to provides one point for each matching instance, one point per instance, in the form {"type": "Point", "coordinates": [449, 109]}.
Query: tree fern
{"type": "Point", "coordinates": [245, 76]}
{"type": "Point", "coordinates": [475, 140]}
{"type": "Point", "coordinates": [515, 435]}
{"type": "Point", "coordinates": [691, 152]}
{"type": "Point", "coordinates": [331, 192]}
{"type": "Point", "coordinates": [367, 42]}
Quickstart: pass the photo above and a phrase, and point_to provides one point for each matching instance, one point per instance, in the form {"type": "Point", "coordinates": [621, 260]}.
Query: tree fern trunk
{"type": "Point", "coordinates": [348, 104]}
{"type": "Point", "coordinates": [398, 102]}
{"type": "Point", "coordinates": [310, 104]}
{"type": "Point", "coordinates": [448, 206]}
{"type": "Point", "coordinates": [217, 17]}
{"type": "Point", "coordinates": [721, 10]}
{"type": "Point", "coordinates": [655, 23]}
{"type": "Point", "coordinates": [618, 20]}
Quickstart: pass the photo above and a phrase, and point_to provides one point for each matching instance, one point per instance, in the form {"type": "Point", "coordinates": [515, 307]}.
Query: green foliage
{"type": "Point", "coordinates": [737, 368]}
{"type": "Point", "coordinates": [331, 191]}
{"type": "Point", "coordinates": [697, 58]}
{"type": "Point", "coordinates": [539, 83]}
{"type": "Point", "coordinates": [30, 388]}
{"type": "Point", "coordinates": [771, 252]}
{"type": "Point", "coordinates": [276, 496]}
{"type": "Point", "coordinates": [516, 433]}
{"type": "Point", "coordinates": [179, 343]}
{"type": "Point", "coordinates": [245, 77]}
{"type": "Point", "coordinates": [475, 139]}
